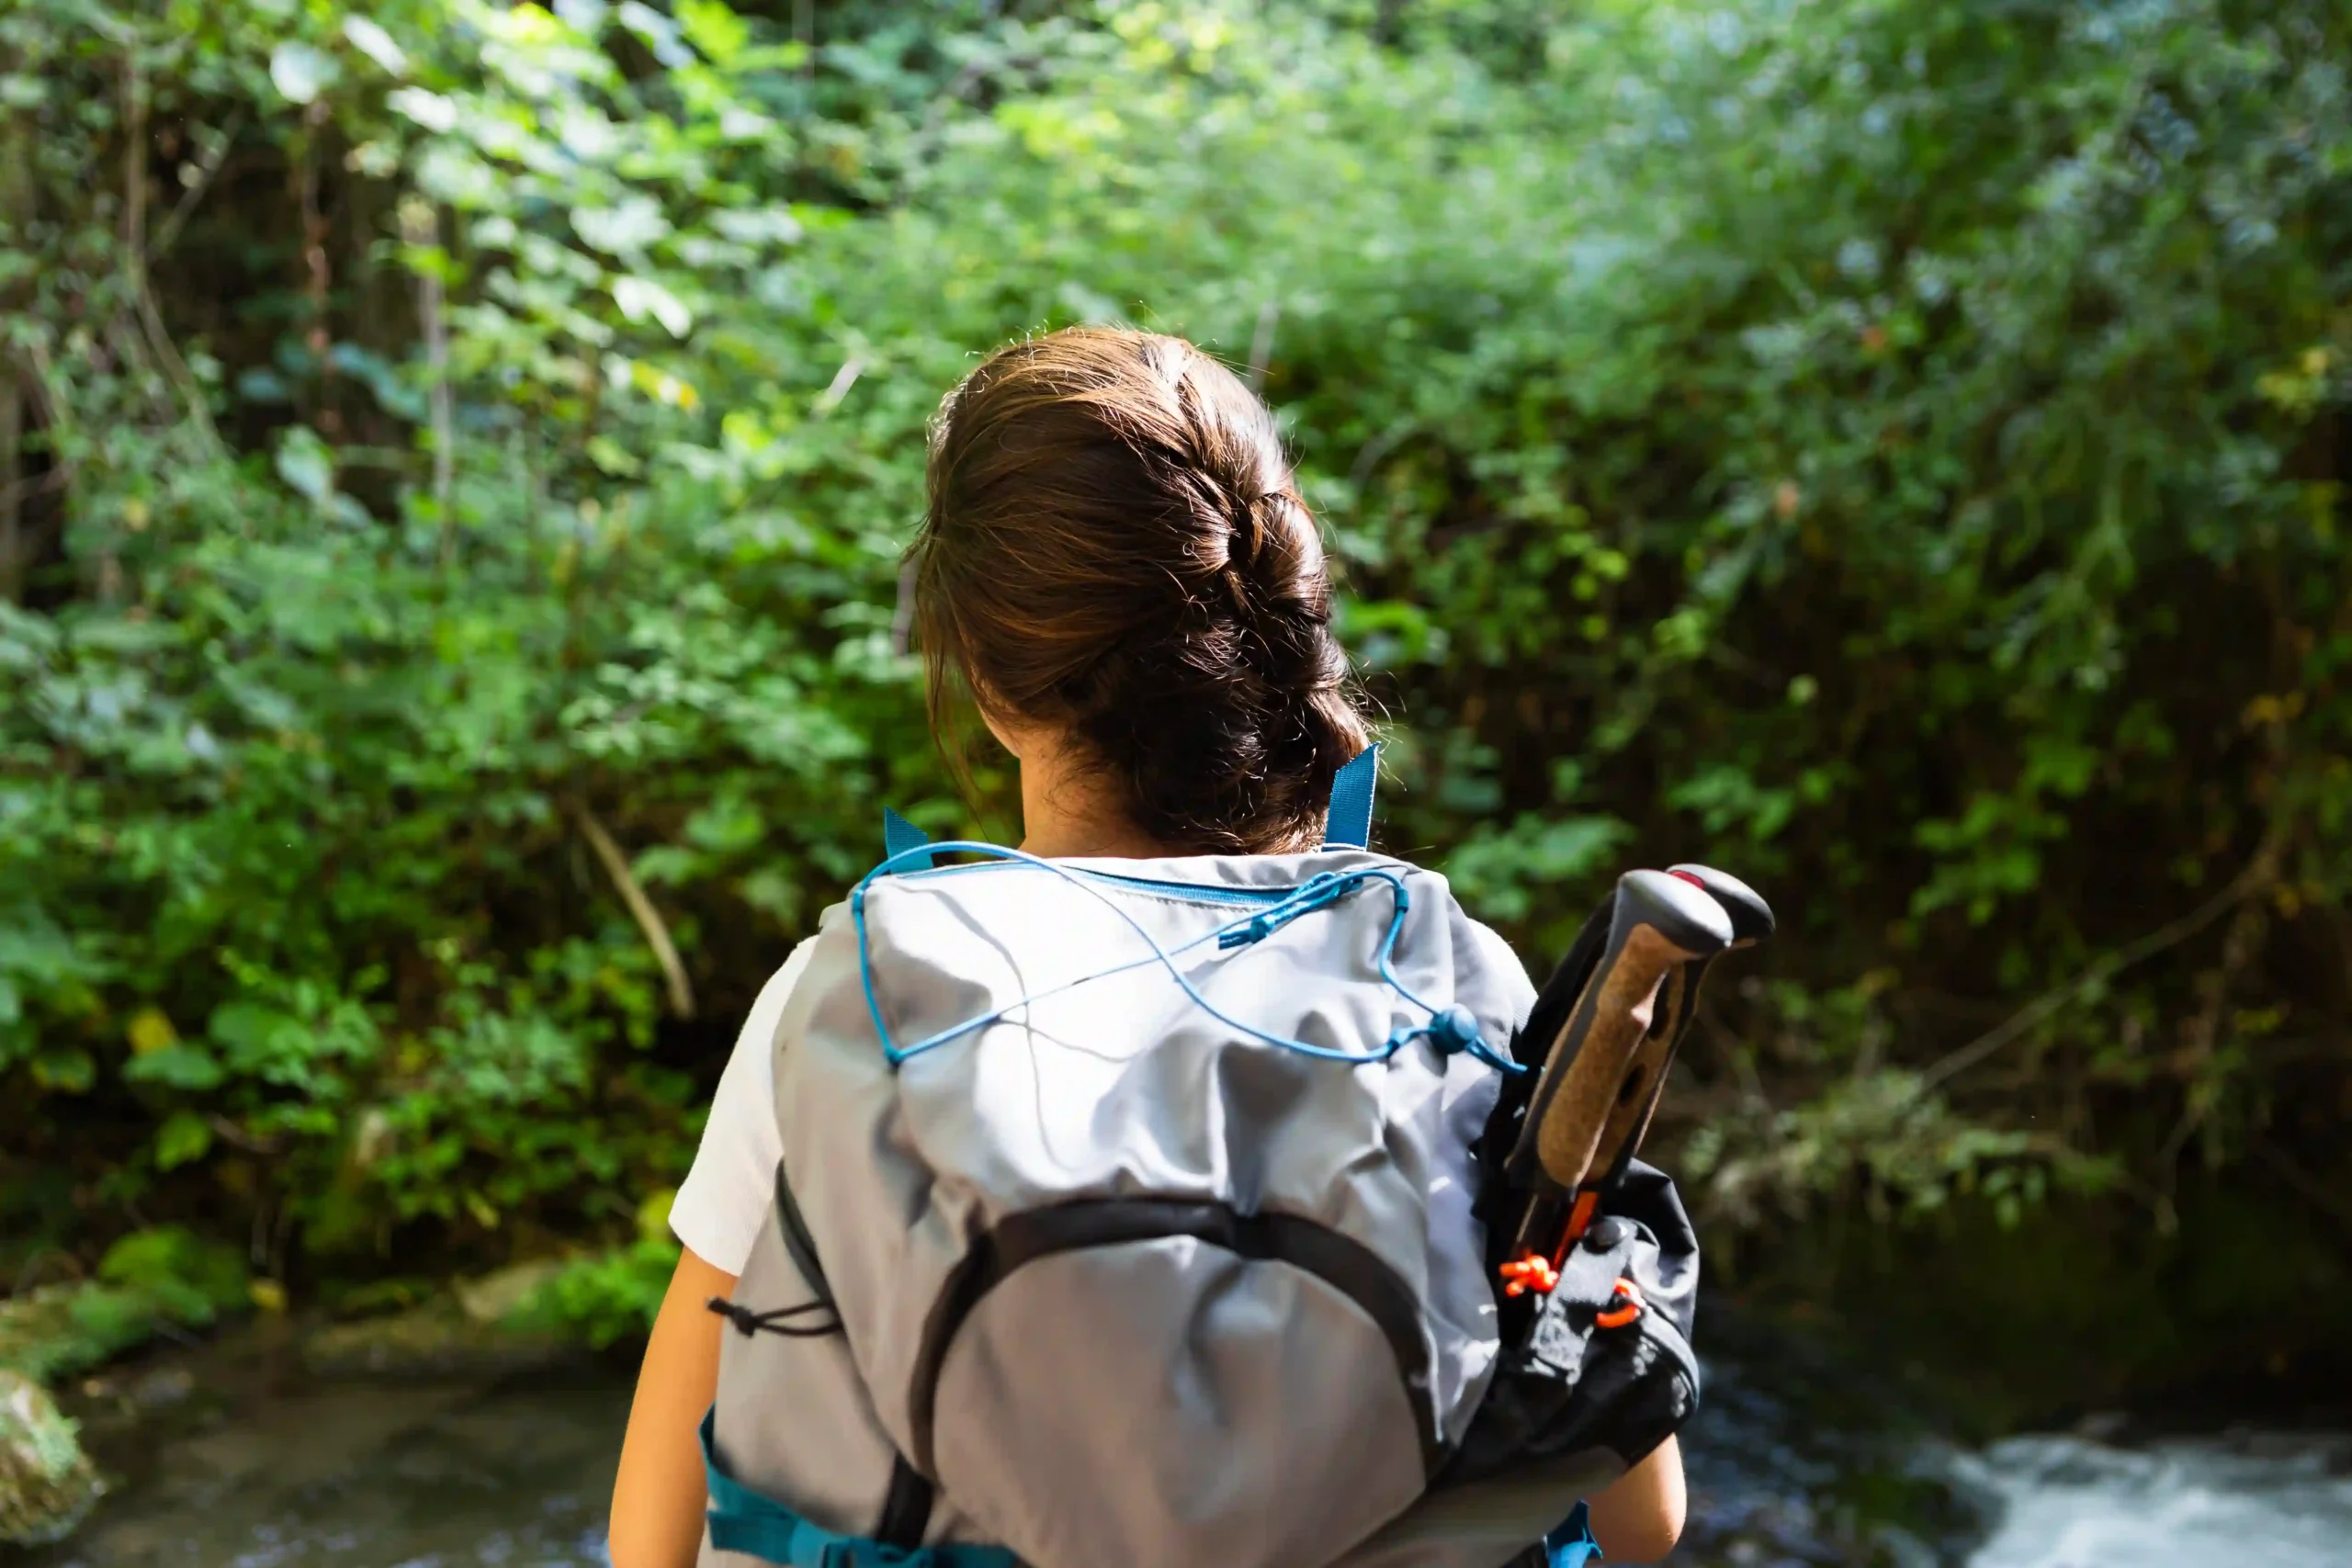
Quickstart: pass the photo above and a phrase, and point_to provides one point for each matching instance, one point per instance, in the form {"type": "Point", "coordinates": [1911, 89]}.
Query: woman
{"type": "Point", "coordinates": [1116, 566]}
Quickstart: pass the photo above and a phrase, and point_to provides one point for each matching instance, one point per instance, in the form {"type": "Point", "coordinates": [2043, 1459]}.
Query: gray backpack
{"type": "Point", "coordinates": [1125, 1220]}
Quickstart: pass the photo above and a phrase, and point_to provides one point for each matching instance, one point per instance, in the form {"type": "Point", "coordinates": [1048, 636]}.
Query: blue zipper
{"type": "Point", "coordinates": [1200, 892]}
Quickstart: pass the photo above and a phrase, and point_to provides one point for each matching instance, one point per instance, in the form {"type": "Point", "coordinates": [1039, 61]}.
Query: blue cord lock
{"type": "Point", "coordinates": [1452, 1029]}
{"type": "Point", "coordinates": [1318, 892]}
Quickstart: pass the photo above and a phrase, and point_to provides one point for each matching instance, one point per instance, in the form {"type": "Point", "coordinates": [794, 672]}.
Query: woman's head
{"type": "Point", "coordinates": [1114, 554]}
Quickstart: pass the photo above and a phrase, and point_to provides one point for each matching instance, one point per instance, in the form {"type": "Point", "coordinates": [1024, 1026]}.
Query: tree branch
{"type": "Point", "coordinates": [24, 489]}
{"type": "Point", "coordinates": [134, 258]}
{"type": "Point", "coordinates": [2310, 1188]}
{"type": "Point", "coordinates": [421, 227]}
{"type": "Point", "coordinates": [641, 910]}
{"type": "Point", "coordinates": [2258, 874]}
{"type": "Point", "coordinates": [205, 171]}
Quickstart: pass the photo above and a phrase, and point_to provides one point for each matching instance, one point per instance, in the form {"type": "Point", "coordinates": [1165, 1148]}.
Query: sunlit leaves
{"type": "Point", "coordinates": [300, 72]}
{"type": "Point", "coordinates": [369, 38]}
{"type": "Point", "coordinates": [305, 464]}
{"type": "Point", "coordinates": [641, 298]}
{"type": "Point", "coordinates": [624, 229]}
{"type": "Point", "coordinates": [431, 111]}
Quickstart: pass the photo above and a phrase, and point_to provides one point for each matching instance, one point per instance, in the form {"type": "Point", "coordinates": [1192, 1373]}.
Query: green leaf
{"type": "Point", "coordinates": [300, 72]}
{"type": "Point", "coordinates": [653, 1214]}
{"type": "Point", "coordinates": [656, 32]}
{"type": "Point", "coordinates": [430, 110]}
{"type": "Point", "coordinates": [713, 28]}
{"type": "Point", "coordinates": [255, 1037]}
{"type": "Point", "coordinates": [182, 1066]}
{"type": "Point", "coordinates": [641, 297]}
{"type": "Point", "coordinates": [184, 1136]}
{"type": "Point", "coordinates": [192, 1279]}
{"type": "Point", "coordinates": [762, 225]}
{"type": "Point", "coordinates": [65, 1072]}
{"type": "Point", "coordinates": [624, 229]}
{"type": "Point", "coordinates": [370, 39]}
{"type": "Point", "coordinates": [306, 463]}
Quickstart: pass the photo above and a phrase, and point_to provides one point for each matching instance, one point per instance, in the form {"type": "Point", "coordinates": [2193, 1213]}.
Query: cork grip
{"type": "Point", "coordinates": [1625, 994]}
{"type": "Point", "coordinates": [1658, 923]}
{"type": "Point", "coordinates": [1638, 1095]}
{"type": "Point", "coordinates": [1677, 1001]}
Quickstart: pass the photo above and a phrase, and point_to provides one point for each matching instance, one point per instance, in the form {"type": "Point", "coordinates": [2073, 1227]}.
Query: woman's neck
{"type": "Point", "coordinates": [1066, 813]}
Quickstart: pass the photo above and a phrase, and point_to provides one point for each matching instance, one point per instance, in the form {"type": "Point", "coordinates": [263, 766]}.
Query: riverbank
{"type": "Point", "coordinates": [1839, 1356]}
{"type": "Point", "coordinates": [81, 1361]}
{"type": "Point", "coordinates": [239, 1452]}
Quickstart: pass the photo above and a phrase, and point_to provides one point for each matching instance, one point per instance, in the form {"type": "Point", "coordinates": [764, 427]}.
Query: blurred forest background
{"type": "Point", "coordinates": [454, 458]}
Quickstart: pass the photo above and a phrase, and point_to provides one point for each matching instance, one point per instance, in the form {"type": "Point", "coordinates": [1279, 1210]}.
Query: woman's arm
{"type": "Point", "coordinates": [1638, 1518]}
{"type": "Point", "coordinates": [657, 1498]}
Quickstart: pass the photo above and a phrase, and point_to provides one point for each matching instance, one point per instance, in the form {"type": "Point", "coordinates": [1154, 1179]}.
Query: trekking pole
{"type": "Point", "coordinates": [1634, 973]}
{"type": "Point", "coordinates": [1678, 1005]}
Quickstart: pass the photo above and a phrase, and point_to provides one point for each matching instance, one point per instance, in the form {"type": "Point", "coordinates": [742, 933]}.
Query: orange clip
{"type": "Point", "coordinates": [1524, 1274]}
{"type": "Point", "coordinates": [1580, 1221]}
{"type": "Point", "coordinates": [1618, 1317]}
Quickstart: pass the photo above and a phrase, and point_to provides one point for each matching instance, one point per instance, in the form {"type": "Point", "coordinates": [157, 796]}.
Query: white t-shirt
{"type": "Point", "coordinates": [725, 1196]}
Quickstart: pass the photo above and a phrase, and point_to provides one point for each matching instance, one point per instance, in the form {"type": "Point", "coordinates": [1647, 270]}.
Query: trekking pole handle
{"type": "Point", "coordinates": [1676, 1006]}
{"type": "Point", "coordinates": [1657, 922]}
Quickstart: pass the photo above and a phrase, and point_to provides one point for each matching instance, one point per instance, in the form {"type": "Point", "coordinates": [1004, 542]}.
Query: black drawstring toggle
{"type": "Point", "coordinates": [748, 1323]}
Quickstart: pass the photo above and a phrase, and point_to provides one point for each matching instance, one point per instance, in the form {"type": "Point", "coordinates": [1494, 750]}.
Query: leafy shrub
{"type": "Point", "coordinates": [1892, 450]}
{"type": "Point", "coordinates": [610, 1295]}
{"type": "Point", "coordinates": [151, 1282]}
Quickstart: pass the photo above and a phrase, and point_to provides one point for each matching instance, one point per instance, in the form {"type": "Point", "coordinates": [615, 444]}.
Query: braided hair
{"type": "Point", "coordinates": [1115, 544]}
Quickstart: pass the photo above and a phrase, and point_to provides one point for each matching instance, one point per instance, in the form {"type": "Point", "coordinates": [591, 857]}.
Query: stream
{"type": "Point", "coordinates": [230, 1457]}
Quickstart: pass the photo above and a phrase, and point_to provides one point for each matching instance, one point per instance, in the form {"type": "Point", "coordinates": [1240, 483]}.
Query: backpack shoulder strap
{"type": "Point", "coordinates": [900, 835]}
{"type": "Point", "coordinates": [1348, 825]}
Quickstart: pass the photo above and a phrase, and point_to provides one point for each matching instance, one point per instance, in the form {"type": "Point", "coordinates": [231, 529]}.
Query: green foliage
{"type": "Point", "coordinates": [1890, 450]}
{"type": "Point", "coordinates": [150, 1282]}
{"type": "Point", "coordinates": [610, 1295]}
{"type": "Point", "coordinates": [189, 1279]}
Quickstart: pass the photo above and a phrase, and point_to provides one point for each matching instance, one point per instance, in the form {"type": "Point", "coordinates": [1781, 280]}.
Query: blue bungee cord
{"type": "Point", "coordinates": [1448, 1029]}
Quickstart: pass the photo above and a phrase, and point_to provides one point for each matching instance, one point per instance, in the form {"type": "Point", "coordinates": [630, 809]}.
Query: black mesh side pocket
{"type": "Point", "coordinates": [1580, 1372]}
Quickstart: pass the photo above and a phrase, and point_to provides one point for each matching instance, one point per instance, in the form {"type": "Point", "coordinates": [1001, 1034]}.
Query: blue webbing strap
{"type": "Point", "coordinates": [758, 1526]}
{"type": "Point", "coordinates": [1571, 1545]}
{"type": "Point", "coordinates": [1348, 825]}
{"type": "Point", "coordinates": [899, 837]}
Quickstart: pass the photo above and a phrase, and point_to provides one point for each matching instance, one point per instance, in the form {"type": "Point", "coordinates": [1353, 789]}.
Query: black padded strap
{"type": "Point", "coordinates": [797, 1239]}
{"type": "Point", "coordinates": [906, 1510]}
{"type": "Point", "coordinates": [1339, 1260]}
{"type": "Point", "coordinates": [906, 1507]}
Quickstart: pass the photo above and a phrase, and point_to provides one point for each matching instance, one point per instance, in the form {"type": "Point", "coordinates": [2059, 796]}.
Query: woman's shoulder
{"type": "Point", "coordinates": [718, 1206]}
{"type": "Point", "coordinates": [768, 1008]}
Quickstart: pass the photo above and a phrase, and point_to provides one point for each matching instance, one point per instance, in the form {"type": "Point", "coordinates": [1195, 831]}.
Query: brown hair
{"type": "Point", "coordinates": [1114, 545]}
